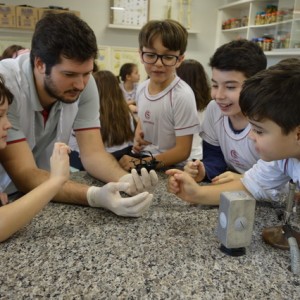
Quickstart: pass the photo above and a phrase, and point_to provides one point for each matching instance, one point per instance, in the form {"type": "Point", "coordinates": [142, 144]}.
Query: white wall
{"type": "Point", "coordinates": [96, 13]}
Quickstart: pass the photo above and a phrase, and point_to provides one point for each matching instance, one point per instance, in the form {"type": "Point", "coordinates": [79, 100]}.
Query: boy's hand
{"type": "Point", "coordinates": [139, 142]}
{"type": "Point", "coordinates": [127, 162]}
{"type": "Point", "coordinates": [133, 108]}
{"type": "Point", "coordinates": [195, 169]}
{"type": "Point", "coordinates": [137, 184]}
{"type": "Point", "coordinates": [109, 197]}
{"type": "Point", "coordinates": [3, 199]}
{"type": "Point", "coordinates": [182, 185]}
{"type": "Point", "coordinates": [226, 177]}
{"type": "Point", "coordinates": [60, 162]}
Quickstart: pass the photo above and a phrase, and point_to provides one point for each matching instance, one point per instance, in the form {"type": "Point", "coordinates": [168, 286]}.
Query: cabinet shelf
{"type": "Point", "coordinates": [123, 27]}
{"type": "Point", "coordinates": [285, 33]}
{"type": "Point", "coordinates": [113, 26]}
{"type": "Point", "coordinates": [15, 31]}
{"type": "Point", "coordinates": [16, 35]}
{"type": "Point", "coordinates": [261, 26]}
{"type": "Point", "coordinates": [283, 52]}
{"type": "Point", "coordinates": [238, 29]}
{"type": "Point", "coordinates": [236, 5]}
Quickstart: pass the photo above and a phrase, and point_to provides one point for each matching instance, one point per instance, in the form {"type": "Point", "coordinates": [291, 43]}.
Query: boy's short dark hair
{"type": "Point", "coordinates": [173, 35]}
{"type": "Point", "coordinates": [5, 93]}
{"type": "Point", "coordinates": [62, 34]}
{"type": "Point", "coordinates": [239, 55]}
{"type": "Point", "coordinates": [274, 94]}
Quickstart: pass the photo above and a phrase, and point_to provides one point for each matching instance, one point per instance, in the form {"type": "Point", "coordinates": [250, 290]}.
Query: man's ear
{"type": "Point", "coordinates": [297, 130]}
{"type": "Point", "coordinates": [39, 65]}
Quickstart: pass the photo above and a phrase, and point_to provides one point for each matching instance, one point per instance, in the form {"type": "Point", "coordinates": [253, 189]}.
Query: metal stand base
{"type": "Point", "coordinates": [233, 251]}
{"type": "Point", "coordinates": [274, 236]}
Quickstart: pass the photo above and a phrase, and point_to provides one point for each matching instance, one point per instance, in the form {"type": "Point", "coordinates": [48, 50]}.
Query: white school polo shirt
{"type": "Point", "coordinates": [238, 150]}
{"type": "Point", "coordinates": [166, 115]}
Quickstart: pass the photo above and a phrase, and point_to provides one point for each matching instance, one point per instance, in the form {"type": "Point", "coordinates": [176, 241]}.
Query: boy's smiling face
{"type": "Point", "coordinates": [271, 143]}
{"type": "Point", "coordinates": [226, 88]}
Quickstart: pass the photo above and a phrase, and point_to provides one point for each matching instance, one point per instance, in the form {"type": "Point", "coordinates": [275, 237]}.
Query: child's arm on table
{"type": "Point", "coordinates": [226, 177]}
{"type": "Point", "coordinates": [184, 186]}
{"type": "Point", "coordinates": [17, 214]}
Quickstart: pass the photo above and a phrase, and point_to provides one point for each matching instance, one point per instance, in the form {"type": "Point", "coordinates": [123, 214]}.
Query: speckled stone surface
{"type": "Point", "coordinates": [74, 252]}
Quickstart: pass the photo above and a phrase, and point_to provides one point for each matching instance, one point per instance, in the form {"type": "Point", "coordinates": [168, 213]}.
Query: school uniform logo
{"type": "Point", "coordinates": [234, 154]}
{"type": "Point", "coordinates": [147, 114]}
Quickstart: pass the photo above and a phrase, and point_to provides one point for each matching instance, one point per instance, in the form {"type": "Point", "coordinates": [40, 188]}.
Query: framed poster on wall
{"type": "Point", "coordinates": [133, 13]}
{"type": "Point", "coordinates": [122, 55]}
{"type": "Point", "coordinates": [103, 58]}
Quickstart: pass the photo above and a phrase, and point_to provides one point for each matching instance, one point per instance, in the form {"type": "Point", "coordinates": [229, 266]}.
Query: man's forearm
{"type": "Point", "coordinates": [71, 192]}
{"type": "Point", "coordinates": [103, 167]}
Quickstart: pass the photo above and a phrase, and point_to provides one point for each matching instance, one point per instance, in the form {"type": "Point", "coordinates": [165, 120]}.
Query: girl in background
{"type": "Point", "coordinates": [129, 77]}
{"type": "Point", "coordinates": [193, 73]}
{"type": "Point", "coordinates": [117, 121]}
{"type": "Point", "coordinates": [13, 51]}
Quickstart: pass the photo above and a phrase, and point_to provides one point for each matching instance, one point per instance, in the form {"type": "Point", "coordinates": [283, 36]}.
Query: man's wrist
{"type": "Point", "coordinates": [90, 195]}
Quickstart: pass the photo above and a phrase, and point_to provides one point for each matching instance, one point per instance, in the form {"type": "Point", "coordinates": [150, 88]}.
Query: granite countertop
{"type": "Point", "coordinates": [172, 252]}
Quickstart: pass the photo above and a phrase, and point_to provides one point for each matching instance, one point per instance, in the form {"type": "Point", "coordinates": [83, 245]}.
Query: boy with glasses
{"type": "Point", "coordinates": [166, 104]}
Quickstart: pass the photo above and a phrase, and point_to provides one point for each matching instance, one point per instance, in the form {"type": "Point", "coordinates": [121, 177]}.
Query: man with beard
{"type": "Point", "coordinates": [54, 93]}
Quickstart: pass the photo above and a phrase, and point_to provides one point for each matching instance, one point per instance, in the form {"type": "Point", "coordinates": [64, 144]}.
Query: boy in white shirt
{"type": "Point", "coordinates": [270, 100]}
{"type": "Point", "coordinates": [166, 104]}
{"type": "Point", "coordinates": [225, 130]}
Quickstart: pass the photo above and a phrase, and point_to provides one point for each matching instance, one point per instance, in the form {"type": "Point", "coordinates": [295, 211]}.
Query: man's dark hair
{"type": "Point", "coordinates": [239, 55]}
{"type": "Point", "coordinates": [274, 94]}
{"type": "Point", "coordinates": [62, 35]}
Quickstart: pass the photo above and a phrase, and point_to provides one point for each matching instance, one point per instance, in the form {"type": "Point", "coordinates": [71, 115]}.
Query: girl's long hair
{"type": "Point", "coordinates": [193, 73]}
{"type": "Point", "coordinates": [115, 115]}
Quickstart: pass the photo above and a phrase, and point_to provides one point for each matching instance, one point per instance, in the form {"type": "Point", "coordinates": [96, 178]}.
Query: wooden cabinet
{"type": "Point", "coordinates": [274, 25]}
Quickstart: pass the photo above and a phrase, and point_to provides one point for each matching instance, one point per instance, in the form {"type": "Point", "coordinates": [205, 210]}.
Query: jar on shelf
{"type": "Point", "coordinates": [260, 42]}
{"type": "Point", "coordinates": [262, 18]}
{"type": "Point", "coordinates": [244, 21]}
{"type": "Point", "coordinates": [268, 18]}
{"type": "Point", "coordinates": [233, 23]}
{"type": "Point", "coordinates": [238, 23]}
{"type": "Point", "coordinates": [267, 45]}
{"type": "Point", "coordinates": [257, 19]}
{"type": "Point", "coordinates": [279, 16]}
{"type": "Point", "coordinates": [274, 17]}
{"type": "Point", "coordinates": [297, 44]}
{"type": "Point", "coordinates": [287, 41]}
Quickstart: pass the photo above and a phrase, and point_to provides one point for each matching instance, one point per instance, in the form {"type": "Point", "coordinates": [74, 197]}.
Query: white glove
{"type": "Point", "coordinates": [109, 197]}
{"type": "Point", "coordinates": [137, 184]}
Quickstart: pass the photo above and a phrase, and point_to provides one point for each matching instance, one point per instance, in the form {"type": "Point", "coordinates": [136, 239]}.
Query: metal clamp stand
{"type": "Point", "coordinates": [284, 237]}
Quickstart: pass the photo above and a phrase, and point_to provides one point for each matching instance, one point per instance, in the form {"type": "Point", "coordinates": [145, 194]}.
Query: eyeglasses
{"type": "Point", "coordinates": [166, 59]}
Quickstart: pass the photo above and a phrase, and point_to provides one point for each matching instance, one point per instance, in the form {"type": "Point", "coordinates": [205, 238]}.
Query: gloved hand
{"type": "Point", "coordinates": [137, 184]}
{"type": "Point", "coordinates": [109, 197]}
